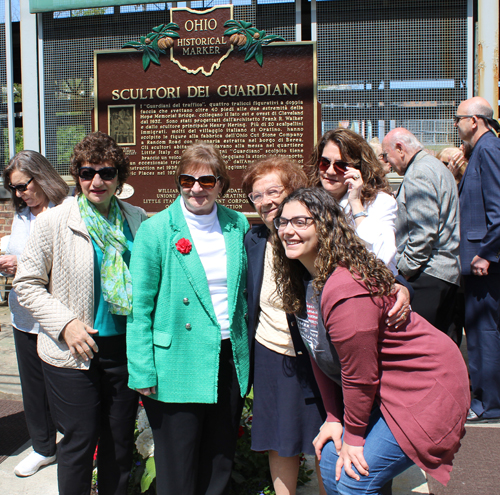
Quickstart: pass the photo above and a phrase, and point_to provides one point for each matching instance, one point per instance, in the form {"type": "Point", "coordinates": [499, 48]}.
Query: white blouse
{"type": "Point", "coordinates": [378, 229]}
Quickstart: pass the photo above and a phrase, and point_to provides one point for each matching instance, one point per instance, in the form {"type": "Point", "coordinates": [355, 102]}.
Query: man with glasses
{"type": "Point", "coordinates": [479, 192]}
{"type": "Point", "coordinates": [427, 229]}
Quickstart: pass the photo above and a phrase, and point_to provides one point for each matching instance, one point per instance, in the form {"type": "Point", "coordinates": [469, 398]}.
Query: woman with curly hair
{"type": "Point", "coordinates": [346, 166]}
{"type": "Point", "coordinates": [74, 279]}
{"type": "Point", "coordinates": [393, 397]}
{"type": "Point", "coordinates": [287, 408]}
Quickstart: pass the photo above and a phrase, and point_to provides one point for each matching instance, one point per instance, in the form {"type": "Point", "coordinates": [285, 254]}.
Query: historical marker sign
{"type": "Point", "coordinates": [202, 89]}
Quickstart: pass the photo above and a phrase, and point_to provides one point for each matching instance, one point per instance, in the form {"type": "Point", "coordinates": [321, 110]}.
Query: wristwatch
{"type": "Point", "coordinates": [360, 214]}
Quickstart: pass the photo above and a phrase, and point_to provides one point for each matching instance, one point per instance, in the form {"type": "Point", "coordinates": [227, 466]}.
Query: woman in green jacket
{"type": "Point", "coordinates": [187, 339]}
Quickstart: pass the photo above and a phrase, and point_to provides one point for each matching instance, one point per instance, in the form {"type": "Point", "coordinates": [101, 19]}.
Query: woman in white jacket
{"type": "Point", "coordinates": [35, 187]}
{"type": "Point", "coordinates": [345, 165]}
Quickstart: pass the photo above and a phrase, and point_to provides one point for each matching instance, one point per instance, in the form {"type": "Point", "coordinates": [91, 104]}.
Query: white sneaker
{"type": "Point", "coordinates": [32, 463]}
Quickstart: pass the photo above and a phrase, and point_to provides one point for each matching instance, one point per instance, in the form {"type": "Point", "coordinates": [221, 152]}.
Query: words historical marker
{"type": "Point", "coordinates": [205, 76]}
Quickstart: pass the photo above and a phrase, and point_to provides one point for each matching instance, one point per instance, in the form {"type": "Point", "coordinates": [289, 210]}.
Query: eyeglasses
{"type": "Point", "coordinates": [458, 118]}
{"type": "Point", "coordinates": [298, 223]}
{"type": "Point", "coordinates": [105, 173]}
{"type": "Point", "coordinates": [274, 192]}
{"type": "Point", "coordinates": [339, 166]}
{"type": "Point", "coordinates": [20, 187]}
{"type": "Point", "coordinates": [205, 181]}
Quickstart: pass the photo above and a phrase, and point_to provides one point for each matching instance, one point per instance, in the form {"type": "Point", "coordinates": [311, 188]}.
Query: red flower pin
{"type": "Point", "coordinates": [184, 246]}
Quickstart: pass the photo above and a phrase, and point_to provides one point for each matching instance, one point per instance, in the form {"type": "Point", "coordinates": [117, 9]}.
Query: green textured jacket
{"type": "Point", "coordinates": [173, 337]}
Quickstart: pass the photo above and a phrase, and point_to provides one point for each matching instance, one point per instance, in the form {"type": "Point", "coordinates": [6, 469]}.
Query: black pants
{"type": "Point", "coordinates": [435, 300]}
{"type": "Point", "coordinates": [91, 405]}
{"type": "Point", "coordinates": [195, 443]}
{"type": "Point", "coordinates": [36, 406]}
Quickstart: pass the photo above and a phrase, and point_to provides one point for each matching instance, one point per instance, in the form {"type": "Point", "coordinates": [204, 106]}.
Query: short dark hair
{"type": "Point", "coordinates": [202, 153]}
{"type": "Point", "coordinates": [37, 166]}
{"type": "Point", "coordinates": [97, 148]}
{"type": "Point", "coordinates": [291, 173]}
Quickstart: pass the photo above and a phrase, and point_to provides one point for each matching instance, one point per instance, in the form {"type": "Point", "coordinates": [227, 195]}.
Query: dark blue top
{"type": "Point", "coordinates": [479, 192]}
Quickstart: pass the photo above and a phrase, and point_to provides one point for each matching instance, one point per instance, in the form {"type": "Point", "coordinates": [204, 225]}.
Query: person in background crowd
{"type": "Point", "coordinates": [74, 279]}
{"type": "Point", "coordinates": [479, 252]}
{"type": "Point", "coordinates": [458, 161]}
{"type": "Point", "coordinates": [35, 187]}
{"type": "Point", "coordinates": [187, 339]}
{"type": "Point", "coordinates": [377, 149]}
{"type": "Point", "coordinates": [427, 229]}
{"type": "Point", "coordinates": [287, 407]}
{"type": "Point", "coordinates": [393, 397]}
{"type": "Point", "coordinates": [445, 154]}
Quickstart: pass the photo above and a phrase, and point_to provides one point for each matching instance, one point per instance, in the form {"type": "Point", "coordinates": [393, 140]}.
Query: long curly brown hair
{"type": "Point", "coordinates": [338, 245]}
{"type": "Point", "coordinates": [353, 149]}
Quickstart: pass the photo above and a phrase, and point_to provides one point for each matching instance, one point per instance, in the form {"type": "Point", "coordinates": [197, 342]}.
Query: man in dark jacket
{"type": "Point", "coordinates": [479, 192]}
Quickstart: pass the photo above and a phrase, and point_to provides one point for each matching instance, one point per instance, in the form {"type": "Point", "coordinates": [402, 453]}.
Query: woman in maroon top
{"type": "Point", "coordinates": [393, 397]}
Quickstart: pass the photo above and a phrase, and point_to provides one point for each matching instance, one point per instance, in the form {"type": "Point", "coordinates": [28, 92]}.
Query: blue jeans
{"type": "Point", "coordinates": [382, 453]}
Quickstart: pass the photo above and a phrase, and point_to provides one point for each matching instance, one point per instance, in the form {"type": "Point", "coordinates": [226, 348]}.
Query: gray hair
{"type": "Point", "coordinates": [43, 173]}
{"type": "Point", "coordinates": [406, 138]}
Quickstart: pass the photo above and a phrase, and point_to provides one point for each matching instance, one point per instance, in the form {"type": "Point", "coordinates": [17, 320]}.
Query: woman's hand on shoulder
{"type": "Point", "coordinates": [350, 455]}
{"type": "Point", "coordinates": [77, 337]}
{"type": "Point", "coordinates": [146, 391]}
{"type": "Point", "coordinates": [330, 430]}
{"type": "Point", "coordinates": [8, 264]}
{"type": "Point", "coordinates": [401, 309]}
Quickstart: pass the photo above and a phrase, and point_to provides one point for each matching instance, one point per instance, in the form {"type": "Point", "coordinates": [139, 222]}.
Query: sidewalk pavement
{"type": "Point", "coordinates": [412, 481]}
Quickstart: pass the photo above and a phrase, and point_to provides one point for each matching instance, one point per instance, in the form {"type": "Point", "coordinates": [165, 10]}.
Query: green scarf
{"type": "Point", "coordinates": [107, 233]}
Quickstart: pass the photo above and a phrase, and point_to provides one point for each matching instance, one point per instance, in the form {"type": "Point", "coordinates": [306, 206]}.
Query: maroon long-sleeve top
{"type": "Point", "coordinates": [415, 373]}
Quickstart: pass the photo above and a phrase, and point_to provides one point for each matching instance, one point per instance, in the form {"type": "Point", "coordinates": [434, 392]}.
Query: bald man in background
{"type": "Point", "coordinates": [479, 192]}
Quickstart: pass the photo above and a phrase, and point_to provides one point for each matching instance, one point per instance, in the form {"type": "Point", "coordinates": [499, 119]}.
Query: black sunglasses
{"type": "Point", "coordinates": [339, 166]}
{"type": "Point", "coordinates": [458, 118]}
{"type": "Point", "coordinates": [106, 173]}
{"type": "Point", "coordinates": [20, 187]}
{"type": "Point", "coordinates": [205, 181]}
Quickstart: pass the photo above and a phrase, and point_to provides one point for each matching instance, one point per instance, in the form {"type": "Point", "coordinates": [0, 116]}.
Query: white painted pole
{"type": "Point", "coordinates": [470, 49]}
{"type": "Point", "coordinates": [10, 79]}
{"type": "Point", "coordinates": [487, 52]}
{"type": "Point", "coordinates": [314, 22]}
{"type": "Point", "coordinates": [29, 74]}
{"type": "Point", "coordinates": [298, 20]}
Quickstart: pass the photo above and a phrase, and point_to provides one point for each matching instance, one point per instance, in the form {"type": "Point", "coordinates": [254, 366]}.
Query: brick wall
{"type": "Point", "coordinates": [6, 216]}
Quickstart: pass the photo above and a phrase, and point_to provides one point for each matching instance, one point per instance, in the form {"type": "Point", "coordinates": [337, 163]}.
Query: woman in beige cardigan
{"type": "Point", "coordinates": [74, 278]}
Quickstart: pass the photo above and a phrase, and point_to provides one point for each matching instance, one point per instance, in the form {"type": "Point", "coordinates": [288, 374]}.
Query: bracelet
{"type": "Point", "coordinates": [360, 214]}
